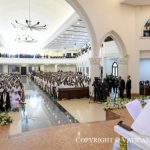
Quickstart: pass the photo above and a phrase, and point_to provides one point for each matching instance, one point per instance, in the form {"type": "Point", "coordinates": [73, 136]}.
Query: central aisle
{"type": "Point", "coordinates": [40, 111]}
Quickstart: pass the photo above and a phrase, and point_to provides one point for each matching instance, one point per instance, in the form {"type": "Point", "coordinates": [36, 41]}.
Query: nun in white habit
{"type": "Point", "coordinates": [15, 101]}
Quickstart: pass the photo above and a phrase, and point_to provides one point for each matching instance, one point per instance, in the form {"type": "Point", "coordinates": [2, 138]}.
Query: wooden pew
{"type": "Point", "coordinates": [144, 90]}
{"type": "Point", "coordinates": [69, 93]}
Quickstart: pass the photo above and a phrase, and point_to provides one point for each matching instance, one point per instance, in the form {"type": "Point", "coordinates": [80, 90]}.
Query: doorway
{"type": "Point", "coordinates": [23, 71]}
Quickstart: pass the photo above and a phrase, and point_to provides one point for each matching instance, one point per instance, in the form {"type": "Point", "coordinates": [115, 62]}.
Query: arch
{"type": "Point", "coordinates": [81, 12]}
{"type": "Point", "coordinates": [142, 25]}
{"type": "Point", "coordinates": [115, 36]}
{"type": "Point", "coordinates": [146, 28]}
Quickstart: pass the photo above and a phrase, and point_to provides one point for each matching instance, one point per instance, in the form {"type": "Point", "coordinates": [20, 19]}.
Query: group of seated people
{"type": "Point", "coordinates": [51, 82]}
{"type": "Point", "coordinates": [11, 92]}
{"type": "Point", "coordinates": [145, 83]}
{"type": "Point", "coordinates": [85, 49]}
{"type": "Point", "coordinates": [45, 56]}
{"type": "Point", "coordinates": [144, 87]}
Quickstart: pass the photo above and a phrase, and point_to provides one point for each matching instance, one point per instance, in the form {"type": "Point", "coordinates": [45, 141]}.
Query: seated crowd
{"type": "Point", "coordinates": [144, 87]}
{"type": "Point", "coordinates": [86, 49]}
{"type": "Point", "coordinates": [50, 82]}
{"type": "Point", "coordinates": [11, 92]}
{"type": "Point", "coordinates": [147, 83]}
{"type": "Point", "coordinates": [39, 56]}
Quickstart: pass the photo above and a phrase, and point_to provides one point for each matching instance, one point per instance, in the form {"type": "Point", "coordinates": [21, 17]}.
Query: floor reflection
{"type": "Point", "coordinates": [40, 111]}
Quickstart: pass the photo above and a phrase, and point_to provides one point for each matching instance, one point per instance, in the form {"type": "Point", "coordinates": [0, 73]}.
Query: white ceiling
{"type": "Point", "coordinates": [136, 2]}
{"type": "Point", "coordinates": [74, 37]}
{"type": "Point", "coordinates": [53, 13]}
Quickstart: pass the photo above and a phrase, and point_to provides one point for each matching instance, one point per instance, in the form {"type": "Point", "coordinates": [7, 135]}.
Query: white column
{"type": "Point", "coordinates": [134, 71]}
{"type": "Point", "coordinates": [27, 69]}
{"type": "Point", "coordinates": [104, 64]}
{"type": "Point", "coordinates": [94, 67]}
{"type": "Point", "coordinates": [56, 67]}
{"type": "Point", "coordinates": [123, 67]}
{"type": "Point", "coordinates": [42, 68]}
{"type": "Point", "coordinates": [5, 68]}
{"type": "Point", "coordinates": [94, 70]}
{"type": "Point", "coordinates": [36, 68]}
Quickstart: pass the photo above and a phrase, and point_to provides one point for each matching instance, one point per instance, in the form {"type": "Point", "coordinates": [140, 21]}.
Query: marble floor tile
{"type": "Point", "coordinates": [40, 111]}
{"type": "Point", "coordinates": [15, 127]}
{"type": "Point", "coordinates": [84, 111]}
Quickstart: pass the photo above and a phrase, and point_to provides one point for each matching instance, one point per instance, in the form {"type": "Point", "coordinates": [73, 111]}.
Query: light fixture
{"type": "Point", "coordinates": [28, 24]}
{"type": "Point", "coordinates": [25, 38]}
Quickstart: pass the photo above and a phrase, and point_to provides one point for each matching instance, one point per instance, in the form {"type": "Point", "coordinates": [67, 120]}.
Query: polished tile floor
{"type": "Point", "coordinates": [84, 111]}
{"type": "Point", "coordinates": [40, 111]}
{"type": "Point", "coordinates": [63, 137]}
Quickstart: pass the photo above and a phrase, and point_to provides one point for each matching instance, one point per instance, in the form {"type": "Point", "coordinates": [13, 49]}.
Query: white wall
{"type": "Point", "coordinates": [144, 69]}
{"type": "Point", "coordinates": [49, 68]}
{"type": "Point", "coordinates": [67, 68]}
{"type": "Point", "coordinates": [142, 15]}
{"type": "Point", "coordinates": [106, 16]}
{"type": "Point", "coordinates": [107, 68]}
{"type": "Point", "coordinates": [145, 54]}
{"type": "Point", "coordinates": [110, 49]}
{"type": "Point", "coordinates": [109, 54]}
{"type": "Point", "coordinates": [83, 62]}
{"type": "Point", "coordinates": [110, 15]}
{"type": "Point", "coordinates": [5, 68]}
{"type": "Point", "coordinates": [45, 68]}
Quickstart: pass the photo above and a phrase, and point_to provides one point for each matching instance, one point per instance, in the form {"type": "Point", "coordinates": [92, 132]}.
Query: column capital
{"type": "Point", "coordinates": [94, 60]}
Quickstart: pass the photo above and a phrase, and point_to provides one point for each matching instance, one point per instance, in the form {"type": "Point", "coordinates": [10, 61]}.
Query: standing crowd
{"type": "Point", "coordinates": [111, 84]}
{"type": "Point", "coordinates": [11, 92]}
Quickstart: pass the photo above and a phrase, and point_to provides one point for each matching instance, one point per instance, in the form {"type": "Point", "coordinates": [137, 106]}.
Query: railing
{"type": "Point", "coordinates": [34, 56]}
{"type": "Point", "coordinates": [37, 61]}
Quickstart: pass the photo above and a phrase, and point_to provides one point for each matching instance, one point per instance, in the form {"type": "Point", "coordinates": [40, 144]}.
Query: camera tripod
{"type": "Point", "coordinates": [92, 99]}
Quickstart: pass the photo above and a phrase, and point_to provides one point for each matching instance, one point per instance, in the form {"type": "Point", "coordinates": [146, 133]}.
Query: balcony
{"type": "Point", "coordinates": [38, 60]}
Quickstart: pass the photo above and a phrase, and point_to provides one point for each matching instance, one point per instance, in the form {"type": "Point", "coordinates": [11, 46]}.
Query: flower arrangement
{"type": "Point", "coordinates": [5, 119]}
{"type": "Point", "coordinates": [110, 104]}
{"type": "Point", "coordinates": [120, 103]}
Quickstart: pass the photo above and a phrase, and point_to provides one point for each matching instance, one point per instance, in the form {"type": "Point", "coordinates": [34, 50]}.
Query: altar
{"type": "Point", "coordinates": [138, 136]}
{"type": "Point", "coordinates": [136, 140]}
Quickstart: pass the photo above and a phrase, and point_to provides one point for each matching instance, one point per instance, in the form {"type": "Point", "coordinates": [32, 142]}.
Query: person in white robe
{"type": "Point", "coordinates": [15, 101]}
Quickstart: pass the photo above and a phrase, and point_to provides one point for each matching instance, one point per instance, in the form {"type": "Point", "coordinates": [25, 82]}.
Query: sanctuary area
{"type": "Point", "coordinates": [74, 74]}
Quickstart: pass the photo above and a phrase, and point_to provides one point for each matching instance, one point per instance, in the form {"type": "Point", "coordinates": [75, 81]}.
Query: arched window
{"type": "Point", "coordinates": [115, 69]}
{"type": "Point", "coordinates": [146, 31]}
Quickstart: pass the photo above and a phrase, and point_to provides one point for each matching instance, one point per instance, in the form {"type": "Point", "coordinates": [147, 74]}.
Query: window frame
{"type": "Point", "coordinates": [115, 69]}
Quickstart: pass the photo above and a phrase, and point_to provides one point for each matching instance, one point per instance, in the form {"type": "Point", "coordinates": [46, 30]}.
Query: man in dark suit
{"type": "Point", "coordinates": [121, 87]}
{"type": "Point", "coordinates": [128, 87]}
{"type": "Point", "coordinates": [5, 101]}
{"type": "Point", "coordinates": [95, 85]}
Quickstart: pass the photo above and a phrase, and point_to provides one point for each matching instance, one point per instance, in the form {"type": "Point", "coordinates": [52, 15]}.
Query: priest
{"type": "Point", "coordinates": [5, 101]}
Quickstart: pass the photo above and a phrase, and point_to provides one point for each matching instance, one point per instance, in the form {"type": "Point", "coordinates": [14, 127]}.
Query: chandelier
{"type": "Point", "coordinates": [25, 38]}
{"type": "Point", "coordinates": [28, 24]}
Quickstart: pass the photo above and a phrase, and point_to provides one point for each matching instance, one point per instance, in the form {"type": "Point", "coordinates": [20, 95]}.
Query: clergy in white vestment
{"type": "Point", "coordinates": [61, 85]}
{"type": "Point", "coordinates": [15, 100]}
{"type": "Point", "coordinates": [141, 124]}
